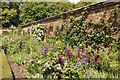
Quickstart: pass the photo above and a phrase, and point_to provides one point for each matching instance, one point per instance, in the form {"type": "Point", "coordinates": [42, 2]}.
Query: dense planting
{"type": "Point", "coordinates": [75, 52]}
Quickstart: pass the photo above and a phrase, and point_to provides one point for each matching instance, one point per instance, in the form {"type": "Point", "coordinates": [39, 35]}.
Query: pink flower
{"type": "Point", "coordinates": [47, 65]}
{"type": "Point", "coordinates": [59, 67]}
{"type": "Point", "coordinates": [62, 59]}
{"type": "Point", "coordinates": [59, 53]}
{"type": "Point", "coordinates": [51, 60]}
{"type": "Point", "coordinates": [85, 53]}
{"type": "Point", "coordinates": [88, 60]}
{"type": "Point", "coordinates": [97, 62]}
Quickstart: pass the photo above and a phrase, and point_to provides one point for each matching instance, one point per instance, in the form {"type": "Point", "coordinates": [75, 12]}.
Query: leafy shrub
{"type": "Point", "coordinates": [78, 33]}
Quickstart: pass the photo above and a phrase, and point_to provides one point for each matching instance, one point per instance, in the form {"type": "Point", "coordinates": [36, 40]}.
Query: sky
{"type": "Point", "coordinates": [74, 1]}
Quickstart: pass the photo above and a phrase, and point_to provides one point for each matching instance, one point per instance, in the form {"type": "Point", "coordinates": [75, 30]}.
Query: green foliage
{"type": "Point", "coordinates": [79, 33]}
{"type": "Point", "coordinates": [50, 58]}
{"type": "Point", "coordinates": [81, 4]}
{"type": "Point", "coordinates": [32, 11]}
{"type": "Point", "coordinates": [78, 51]}
{"type": "Point", "coordinates": [16, 14]}
{"type": "Point", "coordinates": [10, 14]}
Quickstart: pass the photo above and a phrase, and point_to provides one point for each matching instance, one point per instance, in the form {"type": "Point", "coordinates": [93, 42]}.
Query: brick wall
{"type": "Point", "coordinates": [95, 13]}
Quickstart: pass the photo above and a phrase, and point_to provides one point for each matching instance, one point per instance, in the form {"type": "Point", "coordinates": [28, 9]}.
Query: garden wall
{"type": "Point", "coordinates": [95, 13]}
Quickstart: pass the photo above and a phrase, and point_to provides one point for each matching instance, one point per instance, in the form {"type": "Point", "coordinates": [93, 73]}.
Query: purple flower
{"type": "Point", "coordinates": [68, 52]}
{"type": "Point", "coordinates": [90, 74]}
{"type": "Point", "coordinates": [79, 64]}
{"type": "Point", "coordinates": [78, 51]}
{"type": "Point", "coordinates": [44, 50]}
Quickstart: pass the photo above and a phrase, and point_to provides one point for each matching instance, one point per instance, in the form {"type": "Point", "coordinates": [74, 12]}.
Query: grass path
{"type": "Point", "coordinates": [5, 67]}
{"type": "Point", "coordinates": [5, 71]}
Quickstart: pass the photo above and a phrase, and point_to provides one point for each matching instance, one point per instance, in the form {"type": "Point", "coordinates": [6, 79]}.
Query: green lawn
{"type": "Point", "coordinates": [4, 66]}
{"type": "Point", "coordinates": [6, 71]}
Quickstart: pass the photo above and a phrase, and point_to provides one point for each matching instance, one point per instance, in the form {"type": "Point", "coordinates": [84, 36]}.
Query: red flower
{"type": "Point", "coordinates": [88, 60]}
{"type": "Point", "coordinates": [96, 57]}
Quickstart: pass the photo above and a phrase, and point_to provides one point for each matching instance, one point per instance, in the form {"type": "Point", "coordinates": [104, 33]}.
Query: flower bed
{"type": "Point", "coordinates": [75, 52]}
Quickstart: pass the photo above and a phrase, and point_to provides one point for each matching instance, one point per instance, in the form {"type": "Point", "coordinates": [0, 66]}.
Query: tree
{"type": "Point", "coordinates": [15, 6]}
{"type": "Point", "coordinates": [81, 4]}
{"type": "Point", "coordinates": [33, 11]}
{"type": "Point", "coordinates": [7, 15]}
{"type": "Point", "coordinates": [16, 14]}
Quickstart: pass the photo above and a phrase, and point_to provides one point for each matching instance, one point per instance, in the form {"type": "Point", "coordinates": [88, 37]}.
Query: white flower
{"type": "Point", "coordinates": [58, 68]}
{"type": "Point", "coordinates": [59, 65]}
{"type": "Point", "coordinates": [38, 62]}
{"type": "Point", "coordinates": [53, 61]}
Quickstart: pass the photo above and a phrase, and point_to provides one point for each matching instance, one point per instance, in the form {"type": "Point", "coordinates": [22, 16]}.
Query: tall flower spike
{"type": "Point", "coordinates": [68, 52]}
{"type": "Point", "coordinates": [78, 52]}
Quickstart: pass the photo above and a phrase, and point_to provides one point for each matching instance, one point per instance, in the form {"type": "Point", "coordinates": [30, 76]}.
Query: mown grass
{"type": "Point", "coordinates": [5, 71]}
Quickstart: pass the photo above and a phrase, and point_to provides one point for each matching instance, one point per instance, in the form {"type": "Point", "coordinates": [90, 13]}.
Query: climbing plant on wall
{"type": "Point", "coordinates": [78, 33]}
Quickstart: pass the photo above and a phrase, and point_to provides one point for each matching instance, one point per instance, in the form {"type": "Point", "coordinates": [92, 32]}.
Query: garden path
{"type": "Point", "coordinates": [18, 71]}
{"type": "Point", "coordinates": [8, 69]}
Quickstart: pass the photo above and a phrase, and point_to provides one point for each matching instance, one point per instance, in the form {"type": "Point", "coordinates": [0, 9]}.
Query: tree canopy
{"type": "Point", "coordinates": [20, 13]}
